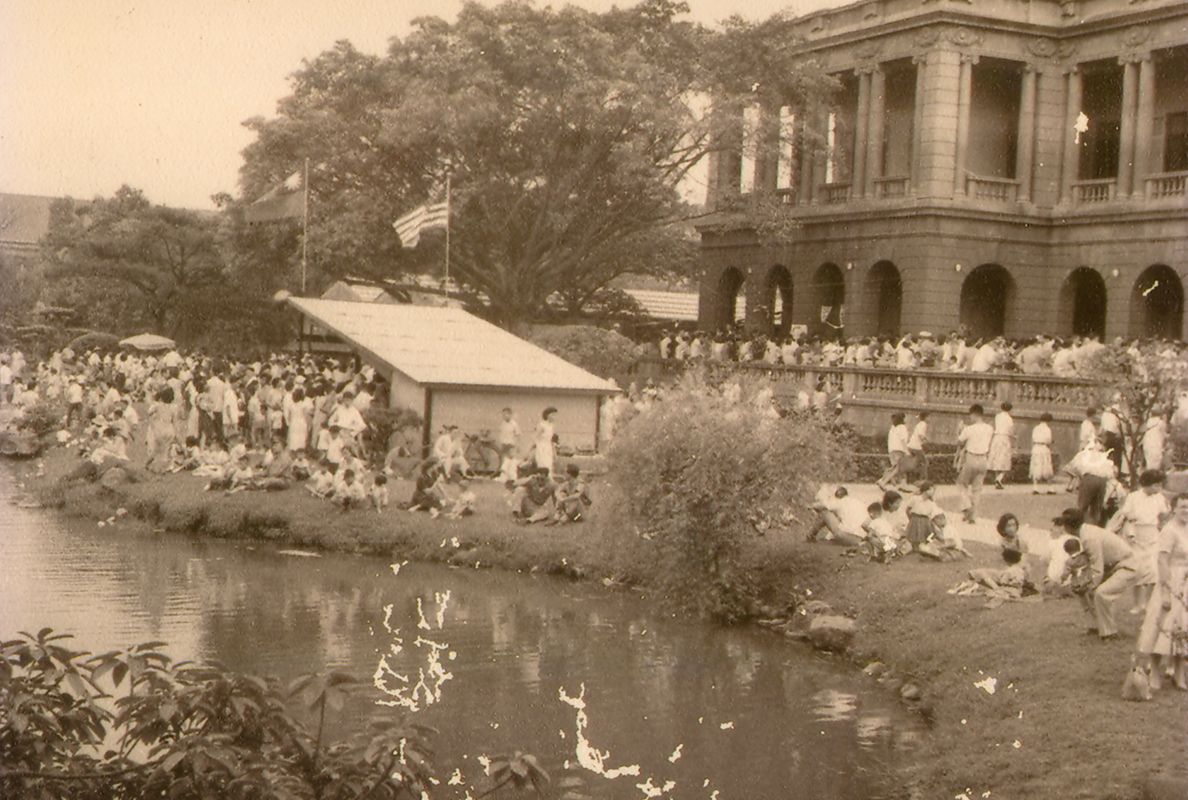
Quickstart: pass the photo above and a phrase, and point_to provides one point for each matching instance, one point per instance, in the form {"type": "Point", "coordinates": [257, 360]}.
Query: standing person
{"type": "Point", "coordinates": [546, 431]}
{"type": "Point", "coordinates": [1088, 433]}
{"type": "Point", "coordinates": [1143, 513]}
{"type": "Point", "coordinates": [973, 454]}
{"type": "Point", "coordinates": [299, 414]}
{"type": "Point", "coordinates": [917, 446]}
{"type": "Point", "coordinates": [897, 451]}
{"type": "Point", "coordinates": [1154, 440]}
{"type": "Point", "coordinates": [1093, 470]}
{"type": "Point", "coordinates": [510, 433]}
{"type": "Point", "coordinates": [1112, 569]}
{"type": "Point", "coordinates": [1165, 624]}
{"type": "Point", "coordinates": [1002, 445]}
{"type": "Point", "coordinates": [1110, 434]}
{"type": "Point", "coordinates": [161, 433]}
{"type": "Point", "coordinates": [1040, 468]}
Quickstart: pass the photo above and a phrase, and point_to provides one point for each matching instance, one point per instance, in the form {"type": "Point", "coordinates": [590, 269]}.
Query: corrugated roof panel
{"type": "Point", "coordinates": [680, 306]}
{"type": "Point", "coordinates": [448, 346]}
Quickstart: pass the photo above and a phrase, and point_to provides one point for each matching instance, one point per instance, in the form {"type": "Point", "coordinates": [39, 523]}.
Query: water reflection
{"type": "Point", "coordinates": [651, 685]}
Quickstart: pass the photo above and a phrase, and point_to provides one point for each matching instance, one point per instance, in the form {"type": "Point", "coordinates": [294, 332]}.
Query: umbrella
{"type": "Point", "coordinates": [148, 341]}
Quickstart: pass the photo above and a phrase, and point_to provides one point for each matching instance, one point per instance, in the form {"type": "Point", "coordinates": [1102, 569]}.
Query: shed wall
{"type": "Point", "coordinates": [472, 411]}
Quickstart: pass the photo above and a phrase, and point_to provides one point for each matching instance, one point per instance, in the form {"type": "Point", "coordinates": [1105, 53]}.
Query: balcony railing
{"type": "Point", "coordinates": [787, 196]}
{"type": "Point", "coordinates": [1001, 190]}
{"type": "Point", "coordinates": [1096, 191]}
{"type": "Point", "coordinates": [834, 193]}
{"type": "Point", "coordinates": [1167, 184]}
{"type": "Point", "coordinates": [893, 186]}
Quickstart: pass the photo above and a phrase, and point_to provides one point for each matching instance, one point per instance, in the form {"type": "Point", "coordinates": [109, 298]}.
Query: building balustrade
{"type": "Point", "coordinates": [905, 389]}
{"type": "Point", "coordinates": [1095, 191]}
{"type": "Point", "coordinates": [787, 196]}
{"type": "Point", "coordinates": [980, 187]}
{"type": "Point", "coordinates": [892, 186]}
{"type": "Point", "coordinates": [835, 193]}
{"type": "Point", "coordinates": [1167, 184]}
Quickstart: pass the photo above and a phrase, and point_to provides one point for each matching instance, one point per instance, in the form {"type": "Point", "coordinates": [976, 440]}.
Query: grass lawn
{"type": "Point", "coordinates": [1055, 725]}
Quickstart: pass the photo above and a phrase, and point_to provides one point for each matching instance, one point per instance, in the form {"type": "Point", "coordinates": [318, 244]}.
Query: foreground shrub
{"type": "Point", "coordinates": [702, 473]}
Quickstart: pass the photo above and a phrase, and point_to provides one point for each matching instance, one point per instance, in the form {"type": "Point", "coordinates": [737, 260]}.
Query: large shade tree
{"type": "Point", "coordinates": [565, 134]}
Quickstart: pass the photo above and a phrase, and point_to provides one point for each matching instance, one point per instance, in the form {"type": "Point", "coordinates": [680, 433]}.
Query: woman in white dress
{"type": "Point", "coordinates": [1002, 445]}
{"type": "Point", "coordinates": [1164, 634]}
{"type": "Point", "coordinates": [546, 429]}
{"type": "Point", "coordinates": [1154, 441]}
{"type": "Point", "coordinates": [299, 412]}
{"type": "Point", "coordinates": [1040, 468]}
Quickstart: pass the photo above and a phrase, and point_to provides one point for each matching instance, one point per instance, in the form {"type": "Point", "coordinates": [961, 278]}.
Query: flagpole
{"type": "Point", "coordinates": [447, 241]}
{"type": "Point", "coordinates": [304, 226]}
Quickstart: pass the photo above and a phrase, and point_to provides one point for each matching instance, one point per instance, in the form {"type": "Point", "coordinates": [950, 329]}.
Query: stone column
{"type": "Point", "coordinates": [1144, 124]}
{"type": "Point", "coordinates": [964, 98]}
{"type": "Point", "coordinates": [921, 62]}
{"type": "Point", "coordinates": [1024, 155]}
{"type": "Point", "coordinates": [804, 196]}
{"type": "Point", "coordinates": [1070, 164]}
{"type": "Point", "coordinates": [861, 133]}
{"type": "Point", "coordinates": [874, 141]}
{"type": "Point", "coordinates": [1126, 134]}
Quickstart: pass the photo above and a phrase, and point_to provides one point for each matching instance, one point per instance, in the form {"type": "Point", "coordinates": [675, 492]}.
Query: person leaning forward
{"type": "Point", "coordinates": [1113, 569]}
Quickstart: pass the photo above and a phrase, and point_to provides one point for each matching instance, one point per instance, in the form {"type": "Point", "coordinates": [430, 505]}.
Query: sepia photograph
{"type": "Point", "coordinates": [593, 400]}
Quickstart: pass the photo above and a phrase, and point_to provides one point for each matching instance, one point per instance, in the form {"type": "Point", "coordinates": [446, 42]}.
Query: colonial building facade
{"type": "Point", "coordinates": [1016, 166]}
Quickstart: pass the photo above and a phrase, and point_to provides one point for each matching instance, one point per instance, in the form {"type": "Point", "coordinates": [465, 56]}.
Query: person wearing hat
{"type": "Point", "coordinates": [973, 455]}
{"type": "Point", "coordinates": [1112, 566]}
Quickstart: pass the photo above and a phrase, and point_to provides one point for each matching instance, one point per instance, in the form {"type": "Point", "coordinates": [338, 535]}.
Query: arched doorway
{"type": "Point", "coordinates": [1083, 303]}
{"type": "Point", "coordinates": [779, 297]}
{"type": "Point", "coordinates": [731, 299]}
{"type": "Point", "coordinates": [986, 297]}
{"type": "Point", "coordinates": [1157, 304]}
{"type": "Point", "coordinates": [884, 290]}
{"type": "Point", "coordinates": [829, 299]}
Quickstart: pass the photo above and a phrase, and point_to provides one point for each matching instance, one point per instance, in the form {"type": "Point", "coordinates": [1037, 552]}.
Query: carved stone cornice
{"type": "Point", "coordinates": [1045, 47]}
{"type": "Point", "coordinates": [963, 36]}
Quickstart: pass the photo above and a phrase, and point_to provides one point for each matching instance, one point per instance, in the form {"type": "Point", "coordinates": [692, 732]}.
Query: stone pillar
{"type": "Point", "coordinates": [1144, 124]}
{"type": "Point", "coordinates": [1070, 164]}
{"type": "Point", "coordinates": [964, 103]}
{"type": "Point", "coordinates": [921, 62]}
{"type": "Point", "coordinates": [861, 134]}
{"type": "Point", "coordinates": [1024, 157]}
{"type": "Point", "coordinates": [804, 195]}
{"type": "Point", "coordinates": [874, 141]}
{"type": "Point", "coordinates": [1126, 134]}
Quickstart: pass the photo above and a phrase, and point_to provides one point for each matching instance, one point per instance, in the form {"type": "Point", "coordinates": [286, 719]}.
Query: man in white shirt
{"type": "Point", "coordinates": [509, 433]}
{"type": "Point", "coordinates": [347, 417]}
{"type": "Point", "coordinates": [1087, 438]}
{"type": "Point", "coordinates": [974, 442]}
{"type": "Point", "coordinates": [917, 442]}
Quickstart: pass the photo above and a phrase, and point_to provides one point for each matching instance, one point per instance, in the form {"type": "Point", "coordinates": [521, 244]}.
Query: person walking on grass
{"type": "Point", "coordinates": [1138, 521]}
{"type": "Point", "coordinates": [917, 446]}
{"type": "Point", "coordinates": [1163, 637]}
{"type": "Point", "coordinates": [1113, 569]}
{"type": "Point", "coordinates": [897, 451]}
{"type": "Point", "coordinates": [1039, 469]}
{"type": "Point", "coordinates": [972, 458]}
{"type": "Point", "coordinates": [1002, 445]}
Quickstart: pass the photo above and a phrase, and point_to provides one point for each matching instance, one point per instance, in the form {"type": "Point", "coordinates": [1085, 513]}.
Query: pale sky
{"type": "Point", "coordinates": [98, 93]}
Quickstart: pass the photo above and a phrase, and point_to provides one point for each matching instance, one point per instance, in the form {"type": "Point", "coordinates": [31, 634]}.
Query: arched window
{"type": "Point", "coordinates": [884, 297]}
{"type": "Point", "coordinates": [1083, 303]}
{"type": "Point", "coordinates": [986, 297]}
{"type": "Point", "coordinates": [779, 297]}
{"type": "Point", "coordinates": [731, 299]}
{"type": "Point", "coordinates": [829, 299]}
{"type": "Point", "coordinates": [1157, 304]}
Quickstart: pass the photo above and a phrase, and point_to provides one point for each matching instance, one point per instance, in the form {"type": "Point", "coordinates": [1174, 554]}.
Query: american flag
{"type": "Point", "coordinates": [421, 218]}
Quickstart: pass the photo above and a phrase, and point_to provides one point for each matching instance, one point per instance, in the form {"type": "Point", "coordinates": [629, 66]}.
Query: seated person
{"type": "Point", "coordinates": [450, 453]}
{"type": "Point", "coordinates": [1008, 582]}
{"type": "Point", "coordinates": [532, 499]}
{"type": "Point", "coordinates": [1008, 532]}
{"type": "Point", "coordinates": [240, 477]}
{"type": "Point", "coordinates": [349, 493]}
{"type": "Point", "coordinates": [462, 505]}
{"type": "Point", "coordinates": [379, 492]}
{"type": "Point", "coordinates": [321, 483]}
{"type": "Point", "coordinates": [942, 542]}
{"type": "Point", "coordinates": [301, 467]}
{"type": "Point", "coordinates": [572, 496]}
{"type": "Point", "coordinates": [882, 540]}
{"type": "Point", "coordinates": [428, 492]}
{"type": "Point", "coordinates": [110, 452]}
{"type": "Point", "coordinates": [279, 461]}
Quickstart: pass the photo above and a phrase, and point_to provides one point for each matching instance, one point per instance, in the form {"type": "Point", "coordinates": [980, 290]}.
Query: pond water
{"type": "Point", "coordinates": [753, 717]}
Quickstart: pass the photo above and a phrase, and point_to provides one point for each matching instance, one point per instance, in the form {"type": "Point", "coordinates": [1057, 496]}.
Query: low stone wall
{"type": "Point", "coordinates": [870, 396]}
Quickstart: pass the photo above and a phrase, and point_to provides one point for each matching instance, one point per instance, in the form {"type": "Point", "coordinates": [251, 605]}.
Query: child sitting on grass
{"type": "Point", "coordinates": [379, 492]}
{"type": "Point", "coordinates": [301, 468]}
{"type": "Point", "coordinates": [572, 497]}
{"type": "Point", "coordinates": [1007, 582]}
{"type": "Point", "coordinates": [463, 505]}
{"type": "Point", "coordinates": [321, 484]}
{"type": "Point", "coordinates": [241, 476]}
{"type": "Point", "coordinates": [349, 493]}
{"type": "Point", "coordinates": [882, 540]}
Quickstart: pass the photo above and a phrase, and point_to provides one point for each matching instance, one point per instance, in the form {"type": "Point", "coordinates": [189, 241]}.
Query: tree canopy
{"type": "Point", "coordinates": [565, 134]}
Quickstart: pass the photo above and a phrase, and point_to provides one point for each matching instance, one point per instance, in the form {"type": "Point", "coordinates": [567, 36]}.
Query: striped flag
{"type": "Point", "coordinates": [284, 201]}
{"type": "Point", "coordinates": [421, 218]}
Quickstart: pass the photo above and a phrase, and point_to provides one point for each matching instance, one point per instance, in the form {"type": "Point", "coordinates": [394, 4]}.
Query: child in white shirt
{"type": "Point", "coordinates": [881, 538]}
{"type": "Point", "coordinates": [321, 485]}
{"type": "Point", "coordinates": [463, 505]}
{"type": "Point", "coordinates": [379, 492]}
{"type": "Point", "coordinates": [349, 493]}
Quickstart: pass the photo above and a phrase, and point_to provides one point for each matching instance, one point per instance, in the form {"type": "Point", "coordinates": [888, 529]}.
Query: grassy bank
{"type": "Point", "coordinates": [1054, 727]}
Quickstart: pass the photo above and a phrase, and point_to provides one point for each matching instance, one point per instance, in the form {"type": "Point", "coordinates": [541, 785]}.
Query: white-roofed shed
{"type": "Point", "coordinates": [454, 368]}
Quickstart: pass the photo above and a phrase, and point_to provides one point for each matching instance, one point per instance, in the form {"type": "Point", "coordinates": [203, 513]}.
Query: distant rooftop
{"type": "Point", "coordinates": [24, 219]}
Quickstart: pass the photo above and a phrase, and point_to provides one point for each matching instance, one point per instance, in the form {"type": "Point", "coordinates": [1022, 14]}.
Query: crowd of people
{"type": "Point", "coordinates": [957, 351]}
{"type": "Point", "coordinates": [285, 421]}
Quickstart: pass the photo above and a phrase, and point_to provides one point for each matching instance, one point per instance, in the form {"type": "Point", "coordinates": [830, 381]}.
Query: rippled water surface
{"type": "Point", "coordinates": [802, 726]}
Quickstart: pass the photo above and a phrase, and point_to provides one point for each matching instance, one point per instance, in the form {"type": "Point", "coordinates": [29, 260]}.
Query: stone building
{"type": "Point", "coordinates": [1017, 166]}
